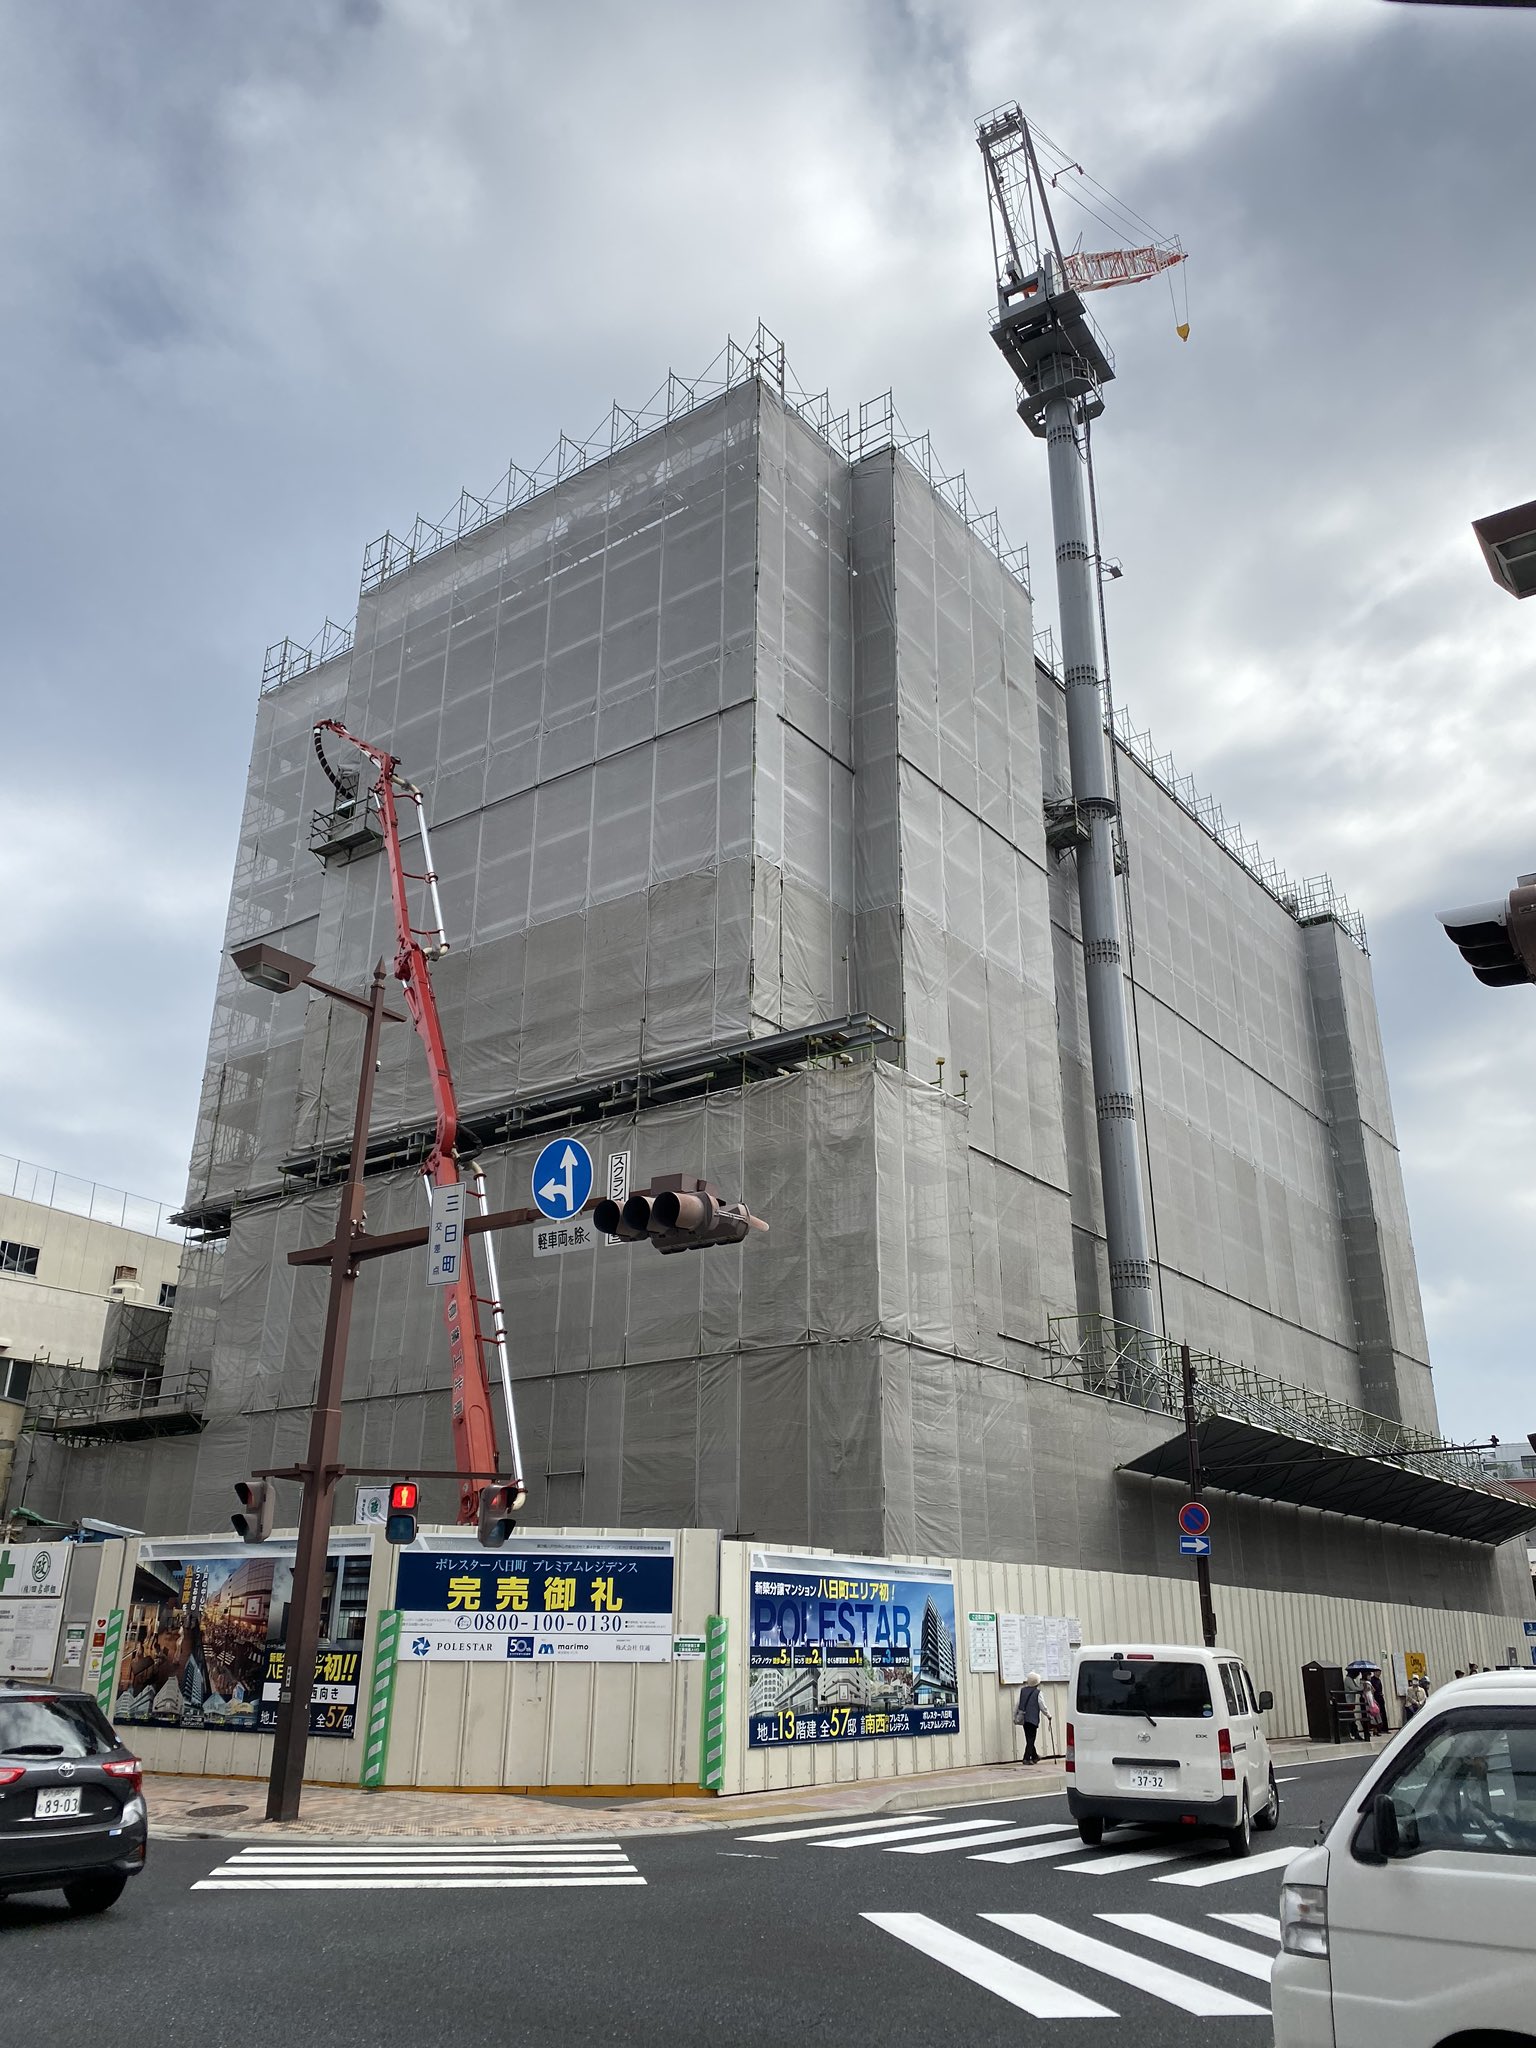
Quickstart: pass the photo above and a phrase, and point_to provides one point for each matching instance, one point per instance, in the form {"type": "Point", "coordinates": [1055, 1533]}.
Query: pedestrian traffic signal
{"type": "Point", "coordinates": [400, 1524]}
{"type": "Point", "coordinates": [258, 1506]}
{"type": "Point", "coordinates": [1498, 940]}
{"type": "Point", "coordinates": [498, 1507]}
{"type": "Point", "coordinates": [677, 1214]}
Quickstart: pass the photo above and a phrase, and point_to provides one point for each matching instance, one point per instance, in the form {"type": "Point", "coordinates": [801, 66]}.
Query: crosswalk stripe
{"type": "Point", "coordinates": [1193, 1941]}
{"type": "Point", "coordinates": [970, 1841]}
{"type": "Point", "coordinates": [398, 1868]}
{"type": "Point", "coordinates": [1230, 1867]}
{"type": "Point", "coordinates": [1032, 1852]}
{"type": "Point", "coordinates": [1253, 1923]}
{"type": "Point", "coordinates": [1137, 1859]}
{"type": "Point", "coordinates": [909, 1834]}
{"type": "Point", "coordinates": [1008, 1980]}
{"type": "Point", "coordinates": [1172, 1986]}
{"type": "Point", "coordinates": [847, 1827]}
{"type": "Point", "coordinates": [357, 1882]}
{"type": "Point", "coordinates": [426, 1855]}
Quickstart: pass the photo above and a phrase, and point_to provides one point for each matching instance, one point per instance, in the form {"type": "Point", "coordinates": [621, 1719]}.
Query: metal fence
{"type": "Point", "coordinates": [1118, 1362]}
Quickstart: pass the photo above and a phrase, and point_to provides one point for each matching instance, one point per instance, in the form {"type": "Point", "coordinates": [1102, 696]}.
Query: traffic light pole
{"type": "Point", "coordinates": [320, 1469]}
{"type": "Point", "coordinates": [1192, 1442]}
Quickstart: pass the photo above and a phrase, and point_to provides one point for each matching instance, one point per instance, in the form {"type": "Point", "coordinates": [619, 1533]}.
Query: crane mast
{"type": "Point", "coordinates": [1062, 364]}
{"type": "Point", "coordinates": [474, 1426]}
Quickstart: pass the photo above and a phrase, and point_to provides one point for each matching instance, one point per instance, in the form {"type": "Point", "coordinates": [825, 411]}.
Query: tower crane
{"type": "Point", "coordinates": [469, 1341]}
{"type": "Point", "coordinates": [1046, 336]}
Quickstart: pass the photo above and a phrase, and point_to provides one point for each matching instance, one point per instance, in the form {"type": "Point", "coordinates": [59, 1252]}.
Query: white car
{"type": "Point", "coordinates": [1414, 1922]}
{"type": "Point", "coordinates": [1169, 1734]}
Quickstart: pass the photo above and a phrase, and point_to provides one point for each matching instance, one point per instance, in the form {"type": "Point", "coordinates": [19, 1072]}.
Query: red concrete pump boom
{"type": "Point", "coordinates": [474, 1426]}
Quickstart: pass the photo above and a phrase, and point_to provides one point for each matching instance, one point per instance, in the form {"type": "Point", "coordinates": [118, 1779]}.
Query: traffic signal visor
{"type": "Point", "coordinates": [1498, 940]}
{"type": "Point", "coordinates": [400, 1524]}
{"type": "Point", "coordinates": [258, 1510]}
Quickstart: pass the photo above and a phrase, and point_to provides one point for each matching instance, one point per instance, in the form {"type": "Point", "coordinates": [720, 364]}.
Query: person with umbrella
{"type": "Point", "coordinates": [1364, 1678]}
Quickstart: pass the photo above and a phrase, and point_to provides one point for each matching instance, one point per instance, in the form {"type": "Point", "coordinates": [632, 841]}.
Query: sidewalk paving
{"type": "Point", "coordinates": [233, 1808]}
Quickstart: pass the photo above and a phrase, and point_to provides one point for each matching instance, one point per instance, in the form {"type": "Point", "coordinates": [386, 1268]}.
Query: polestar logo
{"type": "Point", "coordinates": [420, 1646]}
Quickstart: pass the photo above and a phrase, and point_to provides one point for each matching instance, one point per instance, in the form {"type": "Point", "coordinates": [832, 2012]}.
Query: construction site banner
{"type": "Point", "coordinates": [850, 1650]}
{"type": "Point", "coordinates": [203, 1641]}
{"type": "Point", "coordinates": [607, 1601]}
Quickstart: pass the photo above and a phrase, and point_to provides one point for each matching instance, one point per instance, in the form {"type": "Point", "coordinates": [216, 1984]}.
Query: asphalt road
{"type": "Point", "coordinates": [703, 1938]}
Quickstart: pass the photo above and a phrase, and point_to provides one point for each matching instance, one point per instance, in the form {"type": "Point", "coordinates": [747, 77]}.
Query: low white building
{"type": "Point", "coordinates": [80, 1264]}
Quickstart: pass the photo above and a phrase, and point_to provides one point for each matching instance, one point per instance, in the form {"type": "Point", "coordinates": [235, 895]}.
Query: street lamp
{"type": "Point", "coordinates": [267, 967]}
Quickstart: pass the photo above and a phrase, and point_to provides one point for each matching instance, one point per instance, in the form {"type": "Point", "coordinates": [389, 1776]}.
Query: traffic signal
{"type": "Point", "coordinates": [498, 1507]}
{"type": "Point", "coordinates": [259, 1510]}
{"type": "Point", "coordinates": [1498, 940]}
{"type": "Point", "coordinates": [678, 1214]}
{"type": "Point", "coordinates": [400, 1523]}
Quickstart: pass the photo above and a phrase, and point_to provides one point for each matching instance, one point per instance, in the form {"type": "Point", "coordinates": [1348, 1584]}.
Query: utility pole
{"type": "Point", "coordinates": [1192, 1444]}
{"type": "Point", "coordinates": [320, 1467]}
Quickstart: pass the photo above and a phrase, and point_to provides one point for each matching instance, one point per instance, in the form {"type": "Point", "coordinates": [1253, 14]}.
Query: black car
{"type": "Point", "coordinates": [72, 1813]}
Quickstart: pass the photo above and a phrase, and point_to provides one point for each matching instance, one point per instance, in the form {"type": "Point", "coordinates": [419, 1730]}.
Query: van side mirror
{"type": "Point", "coordinates": [1395, 1835]}
{"type": "Point", "coordinates": [1266, 1701]}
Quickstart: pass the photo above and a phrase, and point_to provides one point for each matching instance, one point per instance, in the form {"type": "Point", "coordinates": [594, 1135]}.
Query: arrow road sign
{"type": "Point", "coordinates": [562, 1179]}
{"type": "Point", "coordinates": [1194, 1518]}
{"type": "Point", "coordinates": [1194, 1546]}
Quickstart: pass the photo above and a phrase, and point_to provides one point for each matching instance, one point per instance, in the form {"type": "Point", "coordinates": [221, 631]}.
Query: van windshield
{"type": "Point", "coordinates": [1172, 1690]}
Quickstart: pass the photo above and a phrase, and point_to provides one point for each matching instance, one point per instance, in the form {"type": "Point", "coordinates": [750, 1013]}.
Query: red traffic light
{"type": "Point", "coordinates": [403, 1496]}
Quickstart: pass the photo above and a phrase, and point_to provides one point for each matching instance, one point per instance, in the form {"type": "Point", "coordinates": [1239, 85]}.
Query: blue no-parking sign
{"type": "Point", "coordinates": [1194, 1518]}
{"type": "Point", "coordinates": [562, 1179]}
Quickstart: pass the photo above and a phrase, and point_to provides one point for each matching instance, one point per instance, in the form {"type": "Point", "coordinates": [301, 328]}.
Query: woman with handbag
{"type": "Point", "coordinates": [1026, 1715]}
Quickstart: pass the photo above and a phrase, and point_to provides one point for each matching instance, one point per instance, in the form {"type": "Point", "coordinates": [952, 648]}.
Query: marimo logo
{"type": "Point", "coordinates": [42, 1565]}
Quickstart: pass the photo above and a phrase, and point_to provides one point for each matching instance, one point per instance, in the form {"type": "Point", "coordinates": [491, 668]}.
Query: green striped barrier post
{"type": "Point", "coordinates": [106, 1678]}
{"type": "Point", "coordinates": [381, 1700]}
{"type": "Point", "coordinates": [712, 1734]}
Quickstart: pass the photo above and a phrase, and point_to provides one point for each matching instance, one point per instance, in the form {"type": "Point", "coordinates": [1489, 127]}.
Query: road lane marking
{"type": "Point", "coordinates": [847, 1827]}
{"type": "Point", "coordinates": [1000, 1975]}
{"type": "Point", "coordinates": [1156, 1979]}
{"type": "Point", "coordinates": [909, 1834]}
{"type": "Point", "coordinates": [970, 1841]}
{"type": "Point", "coordinates": [1233, 1866]}
{"type": "Point", "coordinates": [1193, 1941]}
{"type": "Point", "coordinates": [1253, 1923]}
{"type": "Point", "coordinates": [1138, 1859]}
{"type": "Point", "coordinates": [480, 1881]}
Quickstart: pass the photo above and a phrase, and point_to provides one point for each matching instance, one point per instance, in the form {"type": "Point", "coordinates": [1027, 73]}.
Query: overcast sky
{"type": "Point", "coordinates": [277, 276]}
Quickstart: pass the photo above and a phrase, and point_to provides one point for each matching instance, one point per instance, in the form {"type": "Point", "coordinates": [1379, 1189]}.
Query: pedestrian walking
{"type": "Point", "coordinates": [1026, 1715]}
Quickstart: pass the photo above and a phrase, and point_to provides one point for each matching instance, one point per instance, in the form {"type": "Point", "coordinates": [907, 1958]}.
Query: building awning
{"type": "Point", "coordinates": [1243, 1457]}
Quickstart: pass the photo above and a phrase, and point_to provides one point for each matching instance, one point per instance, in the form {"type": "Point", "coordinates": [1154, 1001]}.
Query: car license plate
{"type": "Point", "coordinates": [1147, 1781]}
{"type": "Point", "coordinates": [57, 1804]}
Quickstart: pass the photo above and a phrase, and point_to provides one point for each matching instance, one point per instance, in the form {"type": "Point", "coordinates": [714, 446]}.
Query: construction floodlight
{"type": "Point", "coordinates": [1498, 940]}
{"type": "Point", "coordinates": [1508, 542]}
{"type": "Point", "coordinates": [269, 967]}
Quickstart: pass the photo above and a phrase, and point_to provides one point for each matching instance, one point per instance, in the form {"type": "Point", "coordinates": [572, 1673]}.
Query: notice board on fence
{"type": "Point", "coordinates": [1033, 1642]}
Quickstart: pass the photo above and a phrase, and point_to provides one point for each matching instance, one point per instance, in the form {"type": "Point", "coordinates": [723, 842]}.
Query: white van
{"type": "Point", "coordinates": [1412, 1923]}
{"type": "Point", "coordinates": [1168, 1734]}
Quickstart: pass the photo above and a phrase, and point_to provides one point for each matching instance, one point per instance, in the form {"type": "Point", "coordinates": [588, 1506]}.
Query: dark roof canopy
{"type": "Point", "coordinates": [1241, 1457]}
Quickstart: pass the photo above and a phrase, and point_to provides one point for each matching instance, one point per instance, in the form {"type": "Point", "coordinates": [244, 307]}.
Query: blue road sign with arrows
{"type": "Point", "coordinates": [1194, 1546]}
{"type": "Point", "coordinates": [562, 1179]}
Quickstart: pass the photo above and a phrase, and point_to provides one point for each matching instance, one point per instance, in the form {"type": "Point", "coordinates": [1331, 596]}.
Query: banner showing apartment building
{"type": "Point", "coordinates": [606, 1601]}
{"type": "Point", "coordinates": [203, 1642]}
{"type": "Point", "coordinates": [850, 1650]}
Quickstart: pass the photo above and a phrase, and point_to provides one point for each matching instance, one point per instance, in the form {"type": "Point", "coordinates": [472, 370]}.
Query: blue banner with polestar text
{"type": "Point", "coordinates": [849, 1650]}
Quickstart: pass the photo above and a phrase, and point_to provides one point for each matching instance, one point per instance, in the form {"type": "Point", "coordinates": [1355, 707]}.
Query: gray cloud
{"type": "Point", "coordinates": [274, 278]}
